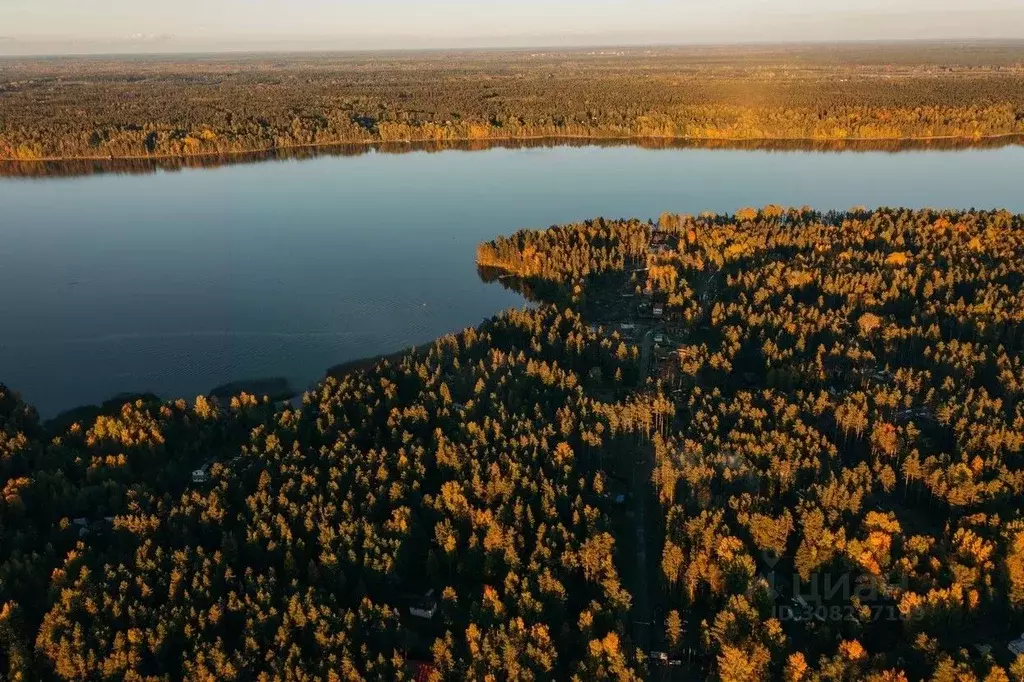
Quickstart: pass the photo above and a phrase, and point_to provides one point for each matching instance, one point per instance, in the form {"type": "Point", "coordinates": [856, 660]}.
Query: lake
{"type": "Point", "coordinates": [175, 282]}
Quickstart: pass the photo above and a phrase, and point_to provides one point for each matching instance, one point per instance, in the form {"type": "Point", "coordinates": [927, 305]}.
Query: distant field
{"type": "Point", "coordinates": [175, 107]}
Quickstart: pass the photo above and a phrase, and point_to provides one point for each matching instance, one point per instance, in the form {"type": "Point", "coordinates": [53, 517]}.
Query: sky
{"type": "Point", "coordinates": [54, 26]}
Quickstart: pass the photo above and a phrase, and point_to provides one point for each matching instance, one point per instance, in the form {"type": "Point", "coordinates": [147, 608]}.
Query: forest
{"type": "Point", "coordinates": [465, 481]}
{"type": "Point", "coordinates": [839, 483]}
{"type": "Point", "coordinates": [152, 107]}
{"type": "Point", "coordinates": [780, 444]}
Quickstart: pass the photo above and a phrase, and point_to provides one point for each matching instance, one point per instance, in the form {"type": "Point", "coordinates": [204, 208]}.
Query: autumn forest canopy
{"type": "Point", "coordinates": [184, 107]}
{"type": "Point", "coordinates": [790, 442]}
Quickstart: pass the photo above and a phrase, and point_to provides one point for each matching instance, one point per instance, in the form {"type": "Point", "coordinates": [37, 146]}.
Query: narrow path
{"type": "Point", "coordinates": [642, 615]}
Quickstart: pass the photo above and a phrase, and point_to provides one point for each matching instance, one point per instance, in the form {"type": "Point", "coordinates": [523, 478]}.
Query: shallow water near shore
{"type": "Point", "coordinates": [175, 282]}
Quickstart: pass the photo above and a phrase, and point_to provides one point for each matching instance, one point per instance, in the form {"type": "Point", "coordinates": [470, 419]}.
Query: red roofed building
{"type": "Point", "coordinates": [422, 671]}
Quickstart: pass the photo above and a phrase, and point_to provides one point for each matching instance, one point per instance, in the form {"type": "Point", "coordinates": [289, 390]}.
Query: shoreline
{"type": "Point", "coordinates": [143, 163]}
{"type": "Point", "coordinates": [968, 139]}
{"type": "Point", "coordinates": [343, 369]}
{"type": "Point", "coordinates": [278, 389]}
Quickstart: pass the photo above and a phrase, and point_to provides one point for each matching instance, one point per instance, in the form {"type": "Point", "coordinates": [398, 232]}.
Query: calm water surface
{"type": "Point", "coordinates": [177, 282]}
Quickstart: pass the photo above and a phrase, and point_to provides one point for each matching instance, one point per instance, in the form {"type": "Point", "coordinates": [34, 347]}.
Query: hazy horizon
{"type": "Point", "coordinates": [120, 26]}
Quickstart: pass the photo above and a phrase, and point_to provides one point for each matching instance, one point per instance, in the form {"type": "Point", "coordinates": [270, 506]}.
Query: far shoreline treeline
{"type": "Point", "coordinates": [145, 165]}
{"type": "Point", "coordinates": [176, 108]}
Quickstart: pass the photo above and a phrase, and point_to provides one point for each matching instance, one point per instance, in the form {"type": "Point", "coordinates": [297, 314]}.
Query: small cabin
{"type": "Point", "coordinates": [1017, 646]}
{"type": "Point", "coordinates": [202, 474]}
{"type": "Point", "coordinates": [658, 310]}
{"type": "Point", "coordinates": [424, 607]}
